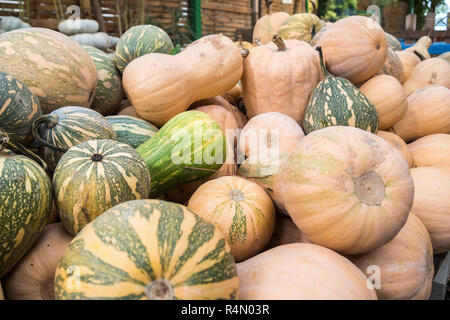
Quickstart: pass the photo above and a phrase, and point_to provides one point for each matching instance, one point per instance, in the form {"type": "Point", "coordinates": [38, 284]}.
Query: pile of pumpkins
{"type": "Point", "coordinates": [313, 163]}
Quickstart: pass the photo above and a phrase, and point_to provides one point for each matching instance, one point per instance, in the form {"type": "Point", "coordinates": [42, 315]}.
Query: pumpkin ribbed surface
{"type": "Point", "coordinates": [132, 131]}
{"type": "Point", "coordinates": [301, 26]}
{"type": "Point", "coordinates": [431, 151]}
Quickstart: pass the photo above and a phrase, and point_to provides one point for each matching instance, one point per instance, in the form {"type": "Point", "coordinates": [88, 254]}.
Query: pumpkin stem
{"type": "Point", "coordinates": [322, 63]}
{"type": "Point", "coordinates": [269, 6]}
{"type": "Point", "coordinates": [258, 42]}
{"type": "Point", "coordinates": [50, 121]}
{"type": "Point", "coordinates": [160, 289]}
{"type": "Point", "coordinates": [279, 42]}
{"type": "Point", "coordinates": [417, 53]}
{"type": "Point", "coordinates": [240, 40]}
{"type": "Point", "coordinates": [369, 188]}
{"type": "Point", "coordinates": [313, 31]}
{"type": "Point", "coordinates": [245, 53]}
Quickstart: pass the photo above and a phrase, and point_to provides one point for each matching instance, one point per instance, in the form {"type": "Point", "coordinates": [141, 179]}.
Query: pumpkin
{"type": "Point", "coordinates": [267, 26]}
{"type": "Point", "coordinates": [165, 250]}
{"type": "Point", "coordinates": [387, 95]}
{"type": "Point", "coordinates": [347, 189]}
{"type": "Point", "coordinates": [301, 271]}
{"type": "Point", "coordinates": [141, 40]}
{"type": "Point", "coordinates": [431, 204]}
{"type": "Point", "coordinates": [70, 26]}
{"type": "Point", "coordinates": [132, 131]}
{"type": "Point", "coordinates": [234, 95]}
{"type": "Point", "coordinates": [398, 144]}
{"type": "Point", "coordinates": [241, 209]}
{"type": "Point", "coordinates": [431, 151]}
{"type": "Point", "coordinates": [285, 232]}
{"type": "Point", "coordinates": [432, 71]}
{"type": "Point", "coordinates": [128, 111]}
{"type": "Point", "coordinates": [393, 42]}
{"type": "Point", "coordinates": [224, 118]}
{"type": "Point", "coordinates": [55, 68]}
{"type": "Point", "coordinates": [301, 26]}
{"type": "Point", "coordinates": [109, 92]}
{"type": "Point", "coordinates": [285, 88]}
{"type": "Point", "coordinates": [243, 45]}
{"type": "Point", "coordinates": [355, 48]}
{"type": "Point", "coordinates": [190, 146]}
{"type": "Point", "coordinates": [19, 107]}
{"type": "Point", "coordinates": [94, 176]}
{"type": "Point", "coordinates": [158, 93]}
{"type": "Point", "coordinates": [409, 60]}
{"type": "Point", "coordinates": [421, 46]}
{"type": "Point", "coordinates": [428, 113]}
{"type": "Point", "coordinates": [10, 23]}
{"type": "Point", "coordinates": [393, 66]}
{"type": "Point", "coordinates": [336, 101]}
{"type": "Point", "coordinates": [25, 202]}
{"type": "Point", "coordinates": [32, 278]}
{"type": "Point", "coordinates": [405, 263]}
{"type": "Point", "coordinates": [445, 56]}
{"type": "Point", "coordinates": [66, 127]}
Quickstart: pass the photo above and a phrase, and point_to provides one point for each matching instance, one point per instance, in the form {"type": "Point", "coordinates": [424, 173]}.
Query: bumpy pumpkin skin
{"type": "Point", "coordinates": [148, 249]}
{"type": "Point", "coordinates": [141, 40]}
{"type": "Point", "coordinates": [431, 151]}
{"type": "Point", "coordinates": [59, 71]}
{"type": "Point", "coordinates": [405, 262]}
{"type": "Point", "coordinates": [355, 48]}
{"type": "Point", "coordinates": [347, 189]}
{"type": "Point", "coordinates": [267, 26]}
{"type": "Point", "coordinates": [398, 144]}
{"type": "Point", "coordinates": [131, 130]}
{"type": "Point", "coordinates": [301, 271]}
{"type": "Point", "coordinates": [94, 176]}
{"type": "Point", "coordinates": [19, 107]}
{"type": "Point", "coordinates": [301, 26]}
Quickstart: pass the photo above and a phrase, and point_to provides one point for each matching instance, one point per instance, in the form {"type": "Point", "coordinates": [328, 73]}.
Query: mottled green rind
{"type": "Point", "coordinates": [25, 203]}
{"type": "Point", "coordinates": [139, 41]}
{"type": "Point", "coordinates": [205, 148]}
{"type": "Point", "coordinates": [132, 131]}
{"type": "Point", "coordinates": [445, 56]}
{"type": "Point", "coordinates": [109, 92]}
{"type": "Point", "coordinates": [113, 228]}
{"type": "Point", "coordinates": [393, 42]}
{"type": "Point", "coordinates": [300, 27]}
{"type": "Point", "coordinates": [74, 125]}
{"type": "Point", "coordinates": [337, 102]}
{"type": "Point", "coordinates": [84, 188]}
{"type": "Point", "coordinates": [19, 107]}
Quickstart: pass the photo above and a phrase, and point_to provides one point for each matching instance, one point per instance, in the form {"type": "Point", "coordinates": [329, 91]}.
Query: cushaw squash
{"type": "Point", "coordinates": [280, 77]}
{"type": "Point", "coordinates": [301, 26]}
{"type": "Point", "coordinates": [432, 203]}
{"type": "Point", "coordinates": [267, 26]}
{"type": "Point", "coordinates": [405, 263]}
{"type": "Point", "coordinates": [432, 71]}
{"type": "Point", "coordinates": [347, 189]}
{"type": "Point", "coordinates": [302, 271]}
{"type": "Point", "coordinates": [355, 48]}
{"type": "Point", "coordinates": [398, 144]}
{"type": "Point", "coordinates": [32, 278]}
{"type": "Point", "coordinates": [409, 60]}
{"type": "Point", "coordinates": [148, 249]}
{"type": "Point", "coordinates": [160, 86]}
{"type": "Point", "coordinates": [431, 151]}
{"type": "Point", "coordinates": [393, 66]}
{"type": "Point", "coordinates": [241, 209]}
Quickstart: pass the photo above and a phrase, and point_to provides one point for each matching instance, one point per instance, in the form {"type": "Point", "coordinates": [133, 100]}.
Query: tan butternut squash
{"type": "Point", "coordinates": [409, 60]}
{"type": "Point", "coordinates": [398, 144]}
{"type": "Point", "coordinates": [421, 46]}
{"type": "Point", "coordinates": [429, 72]}
{"type": "Point", "coordinates": [431, 151]}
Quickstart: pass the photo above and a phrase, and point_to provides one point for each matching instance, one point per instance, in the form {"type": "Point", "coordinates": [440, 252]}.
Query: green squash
{"type": "Point", "coordinates": [66, 127]}
{"type": "Point", "coordinates": [141, 40]}
{"type": "Point", "coordinates": [109, 92]}
{"type": "Point", "coordinates": [147, 249]}
{"type": "Point", "coordinates": [94, 176]}
{"type": "Point", "coordinates": [337, 102]}
{"type": "Point", "coordinates": [188, 147]}
{"type": "Point", "coordinates": [132, 131]}
{"type": "Point", "coordinates": [393, 42]}
{"type": "Point", "coordinates": [302, 27]}
{"type": "Point", "coordinates": [19, 107]}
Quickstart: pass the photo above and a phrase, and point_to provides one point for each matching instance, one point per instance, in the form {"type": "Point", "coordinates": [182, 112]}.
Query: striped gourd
{"type": "Point", "coordinates": [109, 92]}
{"type": "Point", "coordinates": [58, 70]}
{"type": "Point", "coordinates": [301, 26]}
{"type": "Point", "coordinates": [132, 131]}
{"type": "Point", "coordinates": [139, 41]}
{"type": "Point", "coordinates": [25, 202]}
{"type": "Point", "coordinates": [19, 107]}
{"type": "Point", "coordinates": [148, 249]}
{"type": "Point", "coordinates": [66, 127]}
{"type": "Point", "coordinates": [337, 102]}
{"type": "Point", "coordinates": [94, 176]}
{"type": "Point", "coordinates": [188, 147]}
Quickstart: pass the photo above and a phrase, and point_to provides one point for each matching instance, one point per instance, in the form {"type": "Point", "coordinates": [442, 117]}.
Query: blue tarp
{"type": "Point", "coordinates": [436, 48]}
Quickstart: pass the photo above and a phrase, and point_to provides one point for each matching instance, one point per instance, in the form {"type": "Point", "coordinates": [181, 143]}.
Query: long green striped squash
{"type": "Point", "coordinates": [109, 92]}
{"type": "Point", "coordinates": [66, 127]}
{"type": "Point", "coordinates": [141, 40]}
{"type": "Point", "coordinates": [337, 102]}
{"type": "Point", "coordinates": [148, 249]}
{"type": "Point", "coordinates": [188, 147]}
{"type": "Point", "coordinates": [132, 131]}
{"type": "Point", "coordinates": [19, 107]}
{"type": "Point", "coordinates": [94, 176]}
{"type": "Point", "coordinates": [25, 202]}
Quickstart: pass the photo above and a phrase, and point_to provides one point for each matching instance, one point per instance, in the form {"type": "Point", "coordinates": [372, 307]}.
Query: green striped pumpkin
{"type": "Point", "coordinates": [188, 147]}
{"type": "Point", "coordinates": [109, 92]}
{"type": "Point", "coordinates": [148, 249]}
{"type": "Point", "coordinates": [94, 176]}
{"type": "Point", "coordinates": [139, 41]}
{"type": "Point", "coordinates": [132, 131]}
{"type": "Point", "coordinates": [301, 26]}
{"type": "Point", "coordinates": [19, 107]}
{"type": "Point", "coordinates": [25, 203]}
{"type": "Point", "coordinates": [67, 127]}
{"type": "Point", "coordinates": [337, 102]}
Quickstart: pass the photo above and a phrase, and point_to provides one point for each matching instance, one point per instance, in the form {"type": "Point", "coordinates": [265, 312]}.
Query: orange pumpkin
{"type": "Point", "coordinates": [398, 144]}
{"type": "Point", "coordinates": [431, 151]}
{"type": "Point", "coordinates": [432, 71]}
